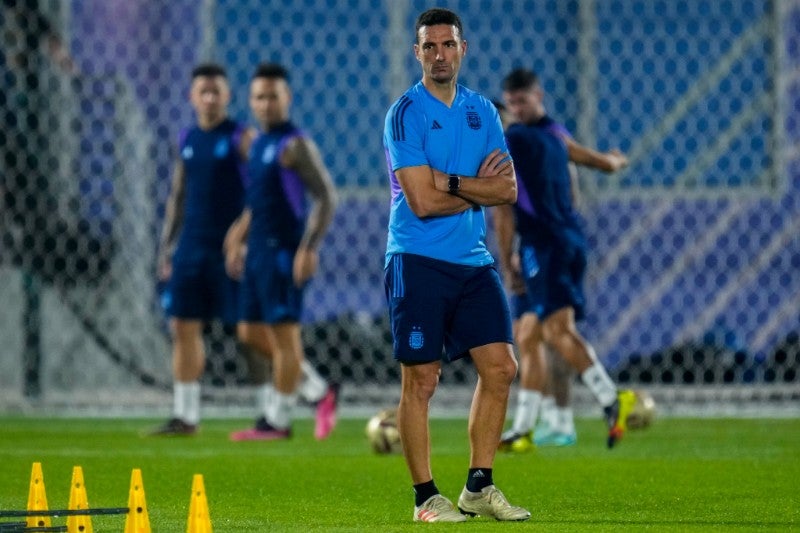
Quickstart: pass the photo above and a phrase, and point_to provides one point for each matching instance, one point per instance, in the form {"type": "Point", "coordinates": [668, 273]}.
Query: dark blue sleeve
{"type": "Point", "coordinates": [528, 148]}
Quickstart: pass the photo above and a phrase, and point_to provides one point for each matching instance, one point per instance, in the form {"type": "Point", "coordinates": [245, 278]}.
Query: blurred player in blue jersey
{"type": "Point", "coordinates": [543, 400]}
{"type": "Point", "coordinates": [206, 197]}
{"type": "Point", "coordinates": [282, 231]}
{"type": "Point", "coordinates": [447, 159]}
{"type": "Point", "coordinates": [552, 256]}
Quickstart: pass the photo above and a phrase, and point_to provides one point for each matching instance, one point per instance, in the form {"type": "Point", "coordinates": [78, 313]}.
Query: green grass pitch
{"type": "Point", "coordinates": [679, 475]}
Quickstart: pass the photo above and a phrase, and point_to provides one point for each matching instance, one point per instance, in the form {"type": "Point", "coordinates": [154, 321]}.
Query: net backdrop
{"type": "Point", "coordinates": [693, 287]}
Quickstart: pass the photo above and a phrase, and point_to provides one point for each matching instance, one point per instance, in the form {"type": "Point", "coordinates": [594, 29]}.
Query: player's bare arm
{"type": "Point", "coordinates": [505, 229]}
{"type": "Point", "coordinates": [496, 182]}
{"type": "Point", "coordinates": [610, 161]}
{"type": "Point", "coordinates": [246, 142]}
{"type": "Point", "coordinates": [173, 219]}
{"type": "Point", "coordinates": [235, 247]}
{"type": "Point", "coordinates": [303, 155]}
{"type": "Point", "coordinates": [237, 233]}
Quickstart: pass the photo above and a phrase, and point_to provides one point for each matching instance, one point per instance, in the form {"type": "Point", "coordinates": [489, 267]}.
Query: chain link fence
{"type": "Point", "coordinates": [693, 287]}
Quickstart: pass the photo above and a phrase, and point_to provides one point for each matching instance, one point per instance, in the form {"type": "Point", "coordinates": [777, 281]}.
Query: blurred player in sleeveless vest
{"type": "Point", "coordinates": [282, 231]}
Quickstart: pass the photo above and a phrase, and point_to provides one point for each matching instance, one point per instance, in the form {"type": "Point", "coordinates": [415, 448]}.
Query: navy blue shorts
{"type": "Point", "coordinates": [553, 274]}
{"type": "Point", "coordinates": [199, 288]}
{"type": "Point", "coordinates": [435, 305]}
{"type": "Point", "coordinates": [268, 293]}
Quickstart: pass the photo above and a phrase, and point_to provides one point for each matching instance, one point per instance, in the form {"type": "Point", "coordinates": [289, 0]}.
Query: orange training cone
{"type": "Point", "coordinates": [199, 519]}
{"type": "Point", "coordinates": [137, 520]}
{"type": "Point", "coordinates": [78, 500]}
{"type": "Point", "coordinates": [37, 498]}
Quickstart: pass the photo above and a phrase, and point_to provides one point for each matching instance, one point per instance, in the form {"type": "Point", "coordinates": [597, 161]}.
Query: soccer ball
{"type": "Point", "coordinates": [383, 434]}
{"type": "Point", "coordinates": [644, 410]}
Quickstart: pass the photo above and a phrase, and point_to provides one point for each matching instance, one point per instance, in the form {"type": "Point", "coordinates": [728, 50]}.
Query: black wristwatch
{"type": "Point", "coordinates": [454, 184]}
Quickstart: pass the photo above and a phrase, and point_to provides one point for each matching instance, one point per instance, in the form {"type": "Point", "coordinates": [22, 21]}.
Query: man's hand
{"type": "Point", "coordinates": [616, 159]}
{"type": "Point", "coordinates": [306, 261]}
{"type": "Point", "coordinates": [496, 163]}
{"type": "Point", "coordinates": [512, 274]}
{"type": "Point", "coordinates": [164, 269]}
{"type": "Point", "coordinates": [235, 254]}
{"type": "Point", "coordinates": [514, 282]}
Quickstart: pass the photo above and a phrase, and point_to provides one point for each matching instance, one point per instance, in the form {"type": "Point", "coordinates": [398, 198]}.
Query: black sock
{"type": "Point", "coordinates": [479, 478]}
{"type": "Point", "coordinates": [423, 491]}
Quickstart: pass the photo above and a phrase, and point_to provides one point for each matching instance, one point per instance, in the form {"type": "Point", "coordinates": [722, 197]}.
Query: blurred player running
{"type": "Point", "coordinates": [552, 257]}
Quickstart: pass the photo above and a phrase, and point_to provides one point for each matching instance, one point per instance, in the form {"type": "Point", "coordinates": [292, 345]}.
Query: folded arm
{"type": "Point", "coordinates": [427, 190]}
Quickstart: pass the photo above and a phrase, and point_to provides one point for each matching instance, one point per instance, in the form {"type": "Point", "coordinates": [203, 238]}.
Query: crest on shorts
{"type": "Point", "coordinates": [473, 120]}
{"type": "Point", "coordinates": [416, 339]}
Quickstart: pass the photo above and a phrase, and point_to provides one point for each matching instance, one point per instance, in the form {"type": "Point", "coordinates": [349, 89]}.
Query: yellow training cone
{"type": "Point", "coordinates": [199, 518]}
{"type": "Point", "coordinates": [137, 520]}
{"type": "Point", "coordinates": [78, 500]}
{"type": "Point", "coordinates": [37, 498]}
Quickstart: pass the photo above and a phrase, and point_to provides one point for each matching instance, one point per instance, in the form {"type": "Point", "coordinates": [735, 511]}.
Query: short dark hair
{"type": "Point", "coordinates": [209, 69]}
{"type": "Point", "coordinates": [271, 71]}
{"type": "Point", "coordinates": [519, 79]}
{"type": "Point", "coordinates": [500, 106]}
{"type": "Point", "coordinates": [438, 15]}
